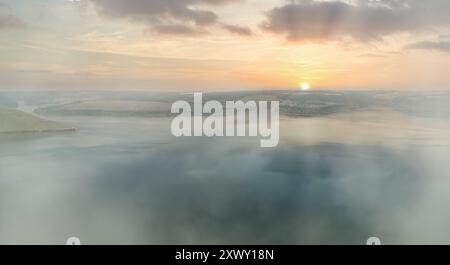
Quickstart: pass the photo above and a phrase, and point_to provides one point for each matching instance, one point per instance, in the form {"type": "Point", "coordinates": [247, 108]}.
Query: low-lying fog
{"type": "Point", "coordinates": [335, 179]}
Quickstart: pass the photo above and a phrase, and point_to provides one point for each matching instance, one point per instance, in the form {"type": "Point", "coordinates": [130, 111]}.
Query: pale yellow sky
{"type": "Point", "coordinates": [224, 44]}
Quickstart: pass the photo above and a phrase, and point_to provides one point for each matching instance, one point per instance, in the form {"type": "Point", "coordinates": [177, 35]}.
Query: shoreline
{"type": "Point", "coordinates": [39, 131]}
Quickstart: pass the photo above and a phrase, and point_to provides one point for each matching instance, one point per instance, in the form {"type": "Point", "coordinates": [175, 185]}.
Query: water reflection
{"type": "Point", "coordinates": [128, 181]}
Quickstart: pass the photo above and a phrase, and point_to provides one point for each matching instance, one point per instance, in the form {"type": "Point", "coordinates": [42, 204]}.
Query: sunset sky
{"type": "Point", "coordinates": [224, 44]}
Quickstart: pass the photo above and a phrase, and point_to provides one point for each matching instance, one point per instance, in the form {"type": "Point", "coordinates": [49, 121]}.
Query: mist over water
{"type": "Point", "coordinates": [359, 89]}
{"type": "Point", "coordinates": [128, 180]}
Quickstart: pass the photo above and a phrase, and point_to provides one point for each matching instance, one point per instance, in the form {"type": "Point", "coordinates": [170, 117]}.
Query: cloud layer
{"type": "Point", "coordinates": [238, 30]}
{"type": "Point", "coordinates": [362, 20]}
{"type": "Point", "coordinates": [443, 46]}
{"type": "Point", "coordinates": [187, 17]}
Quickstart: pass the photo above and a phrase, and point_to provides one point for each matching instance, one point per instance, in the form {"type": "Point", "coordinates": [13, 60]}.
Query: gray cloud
{"type": "Point", "coordinates": [242, 31]}
{"type": "Point", "coordinates": [178, 30]}
{"type": "Point", "coordinates": [185, 17]}
{"type": "Point", "coordinates": [362, 20]}
{"type": "Point", "coordinates": [13, 22]}
{"type": "Point", "coordinates": [443, 46]}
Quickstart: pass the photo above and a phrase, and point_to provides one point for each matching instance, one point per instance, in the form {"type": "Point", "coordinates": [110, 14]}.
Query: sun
{"type": "Point", "coordinates": [305, 86]}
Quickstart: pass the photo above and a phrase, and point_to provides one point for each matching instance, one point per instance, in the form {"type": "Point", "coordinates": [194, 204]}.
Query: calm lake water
{"type": "Point", "coordinates": [128, 181]}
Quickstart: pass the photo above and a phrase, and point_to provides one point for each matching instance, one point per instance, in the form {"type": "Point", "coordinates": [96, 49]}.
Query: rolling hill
{"type": "Point", "coordinates": [14, 121]}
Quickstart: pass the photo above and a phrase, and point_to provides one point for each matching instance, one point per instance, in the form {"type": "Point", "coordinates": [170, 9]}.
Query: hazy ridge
{"type": "Point", "coordinates": [14, 121]}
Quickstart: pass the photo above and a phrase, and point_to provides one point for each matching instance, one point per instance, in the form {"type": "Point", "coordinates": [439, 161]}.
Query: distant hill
{"type": "Point", "coordinates": [292, 103]}
{"type": "Point", "coordinates": [109, 108]}
{"type": "Point", "coordinates": [14, 121]}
